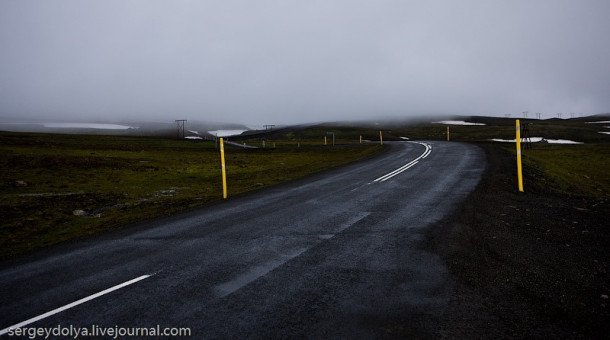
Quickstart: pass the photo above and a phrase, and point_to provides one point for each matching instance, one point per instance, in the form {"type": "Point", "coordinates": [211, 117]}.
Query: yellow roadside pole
{"type": "Point", "coordinates": [380, 137]}
{"type": "Point", "coordinates": [324, 140]}
{"type": "Point", "coordinates": [519, 167]}
{"type": "Point", "coordinates": [224, 173]}
{"type": "Point", "coordinates": [447, 133]}
{"type": "Point", "coordinates": [360, 139]}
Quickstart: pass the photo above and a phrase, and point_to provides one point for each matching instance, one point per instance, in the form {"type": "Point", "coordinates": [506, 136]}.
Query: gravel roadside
{"type": "Point", "coordinates": [528, 265]}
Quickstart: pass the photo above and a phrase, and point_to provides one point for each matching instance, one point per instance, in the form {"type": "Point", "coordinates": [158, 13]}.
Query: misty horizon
{"type": "Point", "coordinates": [276, 62]}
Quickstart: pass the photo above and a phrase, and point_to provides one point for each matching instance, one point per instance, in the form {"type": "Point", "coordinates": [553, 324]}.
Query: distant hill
{"type": "Point", "coordinates": [122, 128]}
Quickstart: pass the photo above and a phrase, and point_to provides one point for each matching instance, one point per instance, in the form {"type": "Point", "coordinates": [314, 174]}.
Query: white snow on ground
{"type": "Point", "coordinates": [537, 140]}
{"type": "Point", "coordinates": [193, 131]}
{"type": "Point", "coordinates": [404, 138]}
{"type": "Point", "coordinates": [532, 139]}
{"type": "Point", "coordinates": [562, 141]}
{"type": "Point", "coordinates": [225, 133]}
{"type": "Point", "coordinates": [192, 137]}
{"type": "Point", "coordinates": [87, 126]}
{"type": "Point", "coordinates": [600, 122]}
{"type": "Point", "coordinates": [605, 132]}
{"type": "Point", "coordinates": [456, 122]}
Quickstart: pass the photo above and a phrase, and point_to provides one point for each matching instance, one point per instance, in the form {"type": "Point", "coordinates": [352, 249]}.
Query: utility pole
{"type": "Point", "coordinates": [180, 128]}
{"type": "Point", "coordinates": [330, 133]}
{"type": "Point", "coordinates": [269, 126]}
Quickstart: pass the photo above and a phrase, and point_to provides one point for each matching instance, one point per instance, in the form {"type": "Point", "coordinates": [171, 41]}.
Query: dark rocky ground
{"type": "Point", "coordinates": [528, 265]}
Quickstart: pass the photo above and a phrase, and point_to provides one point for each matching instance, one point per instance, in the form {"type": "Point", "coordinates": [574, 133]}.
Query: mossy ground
{"type": "Point", "coordinates": [580, 170]}
{"type": "Point", "coordinates": [117, 180]}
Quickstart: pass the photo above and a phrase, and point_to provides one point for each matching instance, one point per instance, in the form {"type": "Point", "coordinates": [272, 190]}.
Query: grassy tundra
{"type": "Point", "coordinates": [58, 187]}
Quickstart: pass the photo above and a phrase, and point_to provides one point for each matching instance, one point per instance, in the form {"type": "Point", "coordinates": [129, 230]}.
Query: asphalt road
{"type": "Point", "coordinates": [338, 254]}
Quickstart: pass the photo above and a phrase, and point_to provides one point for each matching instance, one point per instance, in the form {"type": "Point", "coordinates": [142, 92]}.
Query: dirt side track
{"type": "Point", "coordinates": [529, 265]}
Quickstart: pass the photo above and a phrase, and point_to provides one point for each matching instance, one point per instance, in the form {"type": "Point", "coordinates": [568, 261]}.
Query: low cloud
{"type": "Point", "coordinates": [293, 62]}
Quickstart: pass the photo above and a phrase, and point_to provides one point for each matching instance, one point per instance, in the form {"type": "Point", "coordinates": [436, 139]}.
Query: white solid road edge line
{"type": "Point", "coordinates": [408, 165]}
{"type": "Point", "coordinates": [75, 303]}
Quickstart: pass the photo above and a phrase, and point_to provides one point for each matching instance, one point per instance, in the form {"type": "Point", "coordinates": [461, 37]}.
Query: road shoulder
{"type": "Point", "coordinates": [528, 264]}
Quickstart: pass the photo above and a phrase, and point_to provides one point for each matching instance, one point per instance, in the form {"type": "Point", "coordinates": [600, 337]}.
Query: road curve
{"type": "Point", "coordinates": [335, 255]}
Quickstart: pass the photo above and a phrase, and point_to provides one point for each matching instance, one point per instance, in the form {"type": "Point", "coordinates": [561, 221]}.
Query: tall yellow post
{"type": "Point", "coordinates": [447, 133]}
{"type": "Point", "coordinates": [519, 167]}
{"type": "Point", "coordinates": [360, 139]}
{"type": "Point", "coordinates": [380, 137]}
{"type": "Point", "coordinates": [324, 140]}
{"type": "Point", "coordinates": [224, 173]}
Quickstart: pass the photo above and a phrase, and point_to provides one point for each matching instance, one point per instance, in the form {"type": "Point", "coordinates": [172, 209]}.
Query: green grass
{"type": "Point", "coordinates": [118, 180]}
{"type": "Point", "coordinates": [580, 170]}
{"type": "Point", "coordinates": [504, 128]}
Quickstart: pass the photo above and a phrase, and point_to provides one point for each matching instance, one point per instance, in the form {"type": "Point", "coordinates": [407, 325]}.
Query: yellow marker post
{"type": "Point", "coordinates": [360, 139]}
{"type": "Point", "coordinates": [519, 167]}
{"type": "Point", "coordinates": [224, 173]}
{"type": "Point", "coordinates": [324, 140]}
{"type": "Point", "coordinates": [447, 133]}
{"type": "Point", "coordinates": [380, 137]}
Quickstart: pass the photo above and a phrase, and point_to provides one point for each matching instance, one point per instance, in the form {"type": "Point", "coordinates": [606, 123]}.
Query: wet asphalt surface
{"type": "Point", "coordinates": [336, 255]}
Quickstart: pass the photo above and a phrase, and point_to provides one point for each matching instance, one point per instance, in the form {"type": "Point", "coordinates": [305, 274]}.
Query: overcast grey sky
{"type": "Point", "coordinates": [286, 61]}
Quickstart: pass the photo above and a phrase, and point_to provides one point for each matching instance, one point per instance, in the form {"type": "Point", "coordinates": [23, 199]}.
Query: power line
{"type": "Point", "coordinates": [180, 128]}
